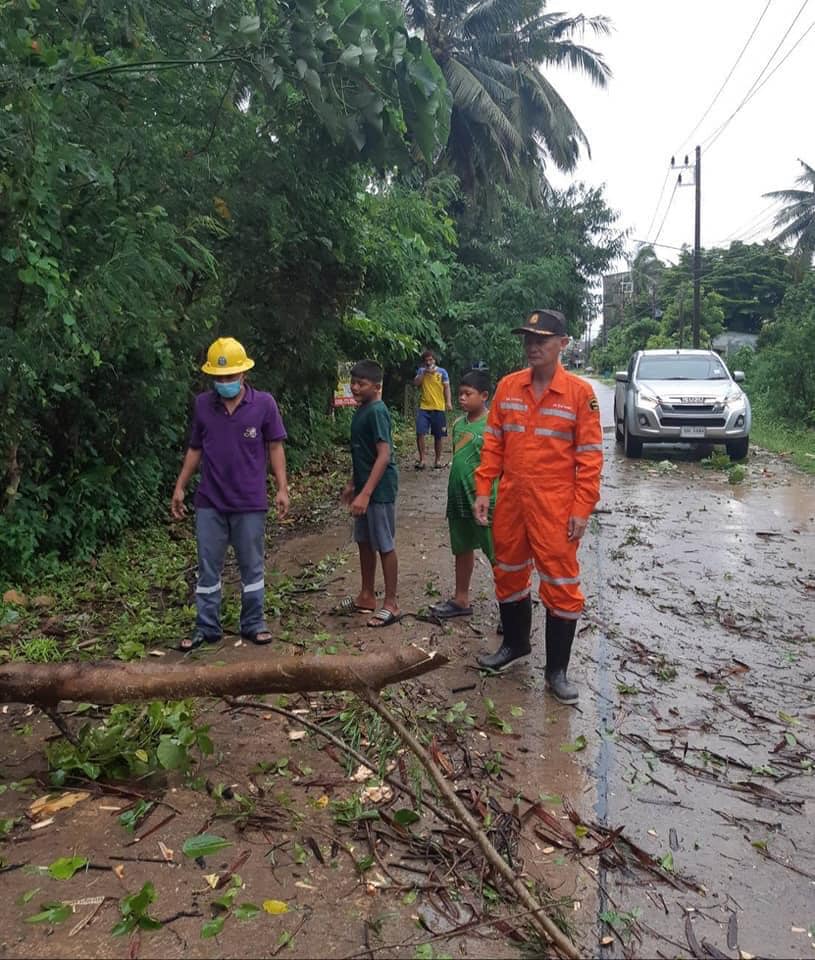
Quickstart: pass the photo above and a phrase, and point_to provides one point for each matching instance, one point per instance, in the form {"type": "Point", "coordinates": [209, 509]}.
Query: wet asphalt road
{"type": "Point", "coordinates": [700, 669]}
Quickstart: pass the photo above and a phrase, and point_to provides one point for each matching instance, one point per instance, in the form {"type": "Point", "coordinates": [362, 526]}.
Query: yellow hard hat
{"type": "Point", "coordinates": [226, 356]}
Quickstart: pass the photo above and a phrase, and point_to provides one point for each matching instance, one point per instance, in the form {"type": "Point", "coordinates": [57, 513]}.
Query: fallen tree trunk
{"type": "Point", "coordinates": [109, 682]}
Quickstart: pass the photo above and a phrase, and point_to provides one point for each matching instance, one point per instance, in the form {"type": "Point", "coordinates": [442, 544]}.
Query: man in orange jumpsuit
{"type": "Point", "coordinates": [544, 441]}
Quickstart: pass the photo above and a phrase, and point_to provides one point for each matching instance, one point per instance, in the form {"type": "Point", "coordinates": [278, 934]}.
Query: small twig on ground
{"type": "Point", "coordinates": [61, 725]}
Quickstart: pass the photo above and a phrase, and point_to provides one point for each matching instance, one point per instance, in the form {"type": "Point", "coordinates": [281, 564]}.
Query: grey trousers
{"type": "Point", "coordinates": [244, 532]}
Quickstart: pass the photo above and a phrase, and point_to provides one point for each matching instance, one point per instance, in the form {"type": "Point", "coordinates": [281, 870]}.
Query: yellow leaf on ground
{"type": "Point", "coordinates": [119, 870]}
{"type": "Point", "coordinates": [275, 907]}
{"type": "Point", "coordinates": [15, 598]}
{"type": "Point", "coordinates": [212, 879]}
{"type": "Point", "coordinates": [50, 803]}
{"type": "Point", "coordinates": [321, 802]}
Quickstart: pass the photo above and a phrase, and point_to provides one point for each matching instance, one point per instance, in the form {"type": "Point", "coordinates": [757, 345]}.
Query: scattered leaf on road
{"type": "Point", "coordinates": [275, 907]}
{"type": "Point", "coordinates": [204, 845]}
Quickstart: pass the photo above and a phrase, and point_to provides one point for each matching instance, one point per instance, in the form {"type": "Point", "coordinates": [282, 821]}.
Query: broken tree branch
{"type": "Point", "coordinates": [109, 683]}
{"type": "Point", "coordinates": [544, 923]}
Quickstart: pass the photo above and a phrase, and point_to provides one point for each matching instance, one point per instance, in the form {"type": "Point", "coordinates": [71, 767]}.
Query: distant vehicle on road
{"type": "Point", "coordinates": [681, 396]}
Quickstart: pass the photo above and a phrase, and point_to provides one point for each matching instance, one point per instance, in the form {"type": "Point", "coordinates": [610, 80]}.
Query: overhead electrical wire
{"type": "Point", "coordinates": [659, 201]}
{"type": "Point", "coordinates": [748, 224]}
{"type": "Point", "coordinates": [727, 78]}
{"type": "Point", "coordinates": [756, 85]}
{"type": "Point", "coordinates": [667, 211]}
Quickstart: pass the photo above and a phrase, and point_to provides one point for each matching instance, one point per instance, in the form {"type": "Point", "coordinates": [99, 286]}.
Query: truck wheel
{"type": "Point", "coordinates": [631, 445]}
{"type": "Point", "coordinates": [618, 431]}
{"type": "Point", "coordinates": [737, 449]}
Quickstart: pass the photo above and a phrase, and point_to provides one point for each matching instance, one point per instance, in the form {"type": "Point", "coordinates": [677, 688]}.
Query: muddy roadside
{"type": "Point", "coordinates": [671, 812]}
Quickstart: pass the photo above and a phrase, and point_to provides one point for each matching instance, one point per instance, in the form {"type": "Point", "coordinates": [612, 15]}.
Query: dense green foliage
{"type": "Point", "coordinates": [274, 170]}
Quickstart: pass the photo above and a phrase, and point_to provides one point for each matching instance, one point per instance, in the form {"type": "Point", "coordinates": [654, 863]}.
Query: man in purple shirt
{"type": "Point", "coordinates": [235, 429]}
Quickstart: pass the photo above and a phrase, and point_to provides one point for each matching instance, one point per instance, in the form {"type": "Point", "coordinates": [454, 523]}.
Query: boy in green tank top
{"type": "Point", "coordinates": [466, 536]}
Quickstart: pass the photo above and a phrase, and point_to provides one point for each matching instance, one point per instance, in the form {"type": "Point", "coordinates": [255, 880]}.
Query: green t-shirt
{"type": "Point", "coordinates": [371, 425]}
{"type": "Point", "coordinates": [468, 439]}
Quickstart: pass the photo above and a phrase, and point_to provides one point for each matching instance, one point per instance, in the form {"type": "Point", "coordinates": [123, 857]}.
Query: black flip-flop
{"type": "Point", "coordinates": [450, 609]}
{"type": "Point", "coordinates": [256, 637]}
{"type": "Point", "coordinates": [197, 639]}
{"type": "Point", "coordinates": [383, 618]}
{"type": "Point", "coordinates": [418, 466]}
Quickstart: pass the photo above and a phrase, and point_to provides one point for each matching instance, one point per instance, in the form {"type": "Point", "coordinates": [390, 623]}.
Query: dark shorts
{"type": "Point", "coordinates": [431, 421]}
{"type": "Point", "coordinates": [467, 535]}
{"type": "Point", "coordinates": [377, 527]}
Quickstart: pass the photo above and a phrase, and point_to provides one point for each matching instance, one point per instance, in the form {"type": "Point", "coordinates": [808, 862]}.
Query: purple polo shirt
{"type": "Point", "coordinates": [234, 461]}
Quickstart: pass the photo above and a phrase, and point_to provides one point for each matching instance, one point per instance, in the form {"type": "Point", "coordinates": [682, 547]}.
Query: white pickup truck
{"type": "Point", "coordinates": [681, 396]}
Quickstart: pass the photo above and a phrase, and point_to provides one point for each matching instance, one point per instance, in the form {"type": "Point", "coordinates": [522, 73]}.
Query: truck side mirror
{"type": "Point", "coordinates": [621, 376]}
{"type": "Point", "coordinates": [738, 376]}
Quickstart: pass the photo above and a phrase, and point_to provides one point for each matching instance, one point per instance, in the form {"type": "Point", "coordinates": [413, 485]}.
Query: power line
{"type": "Point", "coordinates": [748, 224]}
{"type": "Point", "coordinates": [781, 61]}
{"type": "Point", "coordinates": [667, 210]}
{"type": "Point", "coordinates": [659, 201]}
{"type": "Point", "coordinates": [755, 84]}
{"type": "Point", "coordinates": [727, 78]}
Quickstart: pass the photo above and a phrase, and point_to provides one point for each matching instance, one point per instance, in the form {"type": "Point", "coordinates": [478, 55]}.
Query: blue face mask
{"type": "Point", "coordinates": [228, 390]}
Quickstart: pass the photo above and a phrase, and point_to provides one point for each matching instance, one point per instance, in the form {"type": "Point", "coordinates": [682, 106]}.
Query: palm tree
{"type": "Point", "coordinates": [507, 119]}
{"type": "Point", "coordinates": [797, 218]}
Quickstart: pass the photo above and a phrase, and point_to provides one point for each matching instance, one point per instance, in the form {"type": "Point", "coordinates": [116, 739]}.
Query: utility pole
{"type": "Point", "coordinates": [697, 253]}
{"type": "Point", "coordinates": [697, 241]}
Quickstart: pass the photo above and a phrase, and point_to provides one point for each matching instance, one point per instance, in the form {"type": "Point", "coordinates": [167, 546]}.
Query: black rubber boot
{"type": "Point", "coordinates": [516, 619]}
{"type": "Point", "coordinates": [559, 639]}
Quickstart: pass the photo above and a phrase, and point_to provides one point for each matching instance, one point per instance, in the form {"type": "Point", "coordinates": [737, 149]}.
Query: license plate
{"type": "Point", "coordinates": [692, 433]}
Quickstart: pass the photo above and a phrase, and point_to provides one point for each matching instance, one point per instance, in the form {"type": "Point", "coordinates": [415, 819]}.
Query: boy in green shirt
{"type": "Point", "coordinates": [466, 536]}
{"type": "Point", "coordinates": [371, 495]}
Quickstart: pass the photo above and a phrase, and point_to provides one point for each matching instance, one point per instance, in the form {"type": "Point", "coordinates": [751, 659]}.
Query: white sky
{"type": "Point", "coordinates": [668, 61]}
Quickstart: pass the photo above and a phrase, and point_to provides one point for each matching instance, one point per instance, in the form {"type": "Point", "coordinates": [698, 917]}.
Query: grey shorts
{"type": "Point", "coordinates": [377, 527]}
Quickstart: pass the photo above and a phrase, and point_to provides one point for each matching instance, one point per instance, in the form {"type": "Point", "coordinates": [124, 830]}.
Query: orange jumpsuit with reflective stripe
{"type": "Point", "coordinates": [548, 454]}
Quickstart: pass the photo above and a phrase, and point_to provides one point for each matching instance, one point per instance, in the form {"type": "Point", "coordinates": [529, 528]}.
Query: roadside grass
{"type": "Point", "coordinates": [798, 443]}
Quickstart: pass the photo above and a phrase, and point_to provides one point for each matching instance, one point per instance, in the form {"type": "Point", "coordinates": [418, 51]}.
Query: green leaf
{"type": "Point", "coordinates": [66, 867]}
{"type": "Point", "coordinates": [130, 818]}
{"type": "Point", "coordinates": [578, 744]}
{"type": "Point", "coordinates": [246, 911]}
{"type": "Point", "coordinates": [410, 897]}
{"type": "Point", "coordinates": [212, 927]}
{"type": "Point", "coordinates": [204, 845]}
{"type": "Point", "coordinates": [790, 738]}
{"type": "Point", "coordinates": [249, 26]}
{"type": "Point", "coordinates": [26, 897]}
{"type": "Point", "coordinates": [792, 721]}
{"type": "Point", "coordinates": [405, 817]}
{"type": "Point", "coordinates": [350, 55]}
{"type": "Point", "coordinates": [171, 755]}
{"type": "Point", "coordinates": [667, 862]}
{"type": "Point", "coordinates": [516, 711]}
{"type": "Point", "coordinates": [581, 831]}
{"type": "Point", "coordinates": [51, 913]}
{"type": "Point", "coordinates": [124, 926]}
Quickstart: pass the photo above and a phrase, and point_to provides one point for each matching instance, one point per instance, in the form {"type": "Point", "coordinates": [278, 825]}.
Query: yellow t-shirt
{"type": "Point", "coordinates": [431, 396]}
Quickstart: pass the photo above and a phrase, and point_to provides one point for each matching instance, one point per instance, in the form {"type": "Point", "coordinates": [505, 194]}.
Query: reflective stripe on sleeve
{"type": "Point", "coordinates": [560, 434]}
{"type": "Point", "coordinates": [584, 447]}
{"type": "Point", "coordinates": [513, 405]}
{"type": "Point", "coordinates": [514, 428]}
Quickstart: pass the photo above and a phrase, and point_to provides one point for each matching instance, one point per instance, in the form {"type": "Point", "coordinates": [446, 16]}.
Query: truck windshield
{"type": "Point", "coordinates": [681, 368]}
